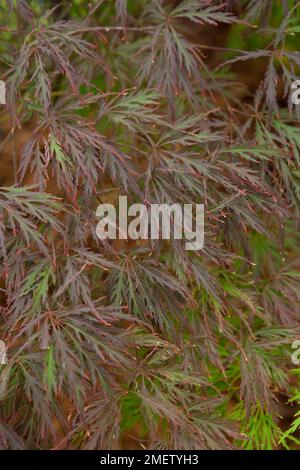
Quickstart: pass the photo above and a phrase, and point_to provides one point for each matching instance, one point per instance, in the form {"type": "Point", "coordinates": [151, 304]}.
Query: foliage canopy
{"type": "Point", "coordinates": [141, 343]}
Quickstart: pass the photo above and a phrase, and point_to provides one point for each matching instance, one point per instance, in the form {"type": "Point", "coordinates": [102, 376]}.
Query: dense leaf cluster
{"type": "Point", "coordinates": [143, 341]}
